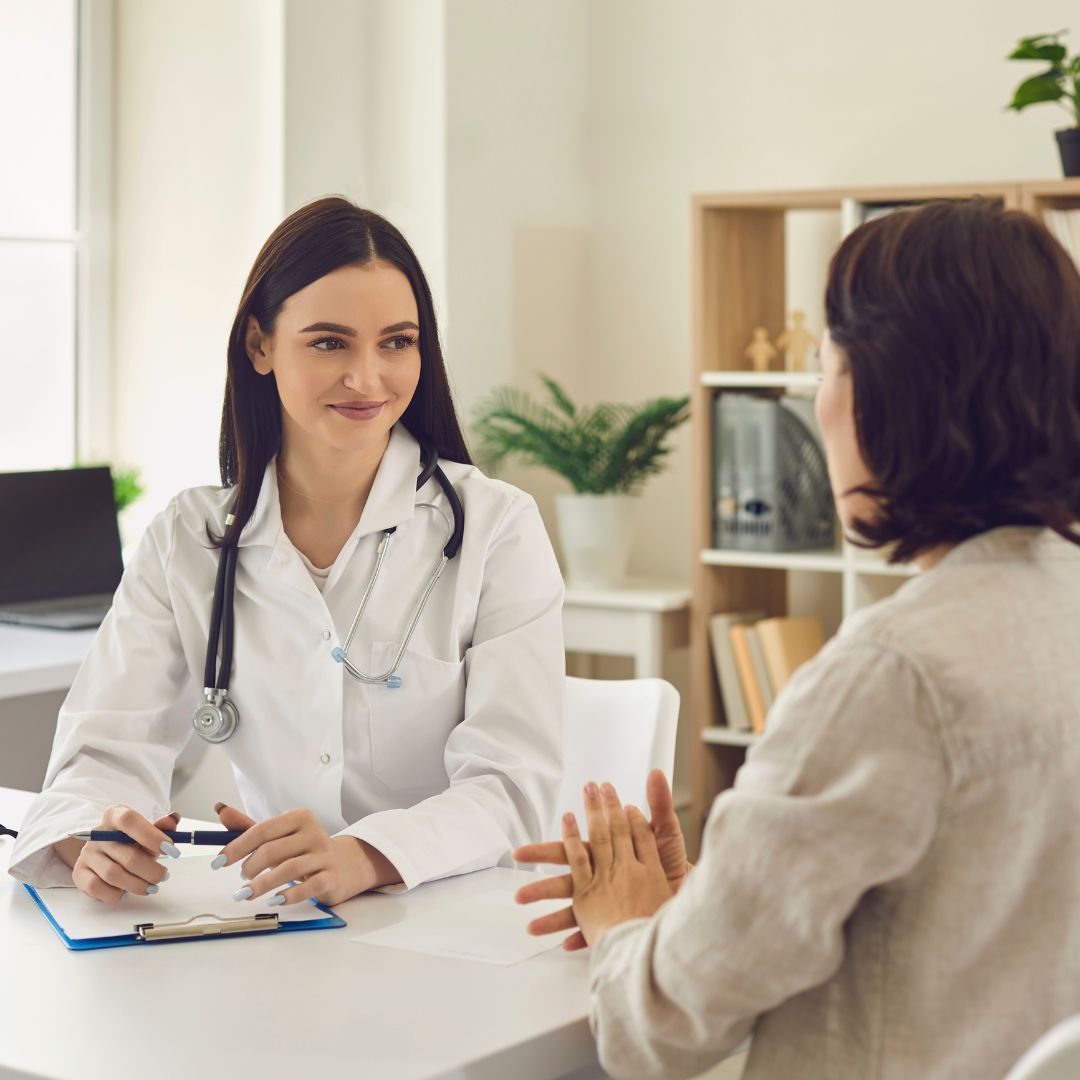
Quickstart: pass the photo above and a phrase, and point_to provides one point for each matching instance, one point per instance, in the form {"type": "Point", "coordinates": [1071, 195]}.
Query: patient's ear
{"type": "Point", "coordinates": [256, 344]}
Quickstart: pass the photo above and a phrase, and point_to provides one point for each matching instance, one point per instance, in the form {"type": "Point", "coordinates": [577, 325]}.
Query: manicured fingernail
{"type": "Point", "coordinates": [244, 875]}
{"type": "Point", "coordinates": [608, 790]}
{"type": "Point", "coordinates": [151, 889]}
{"type": "Point", "coordinates": [123, 895]}
{"type": "Point", "coordinates": [568, 819]}
{"type": "Point", "coordinates": [166, 877]}
{"type": "Point", "coordinates": [218, 807]}
{"type": "Point", "coordinates": [170, 849]}
{"type": "Point", "coordinates": [219, 862]}
{"type": "Point", "coordinates": [243, 894]}
{"type": "Point", "coordinates": [275, 901]}
{"type": "Point", "coordinates": [591, 790]}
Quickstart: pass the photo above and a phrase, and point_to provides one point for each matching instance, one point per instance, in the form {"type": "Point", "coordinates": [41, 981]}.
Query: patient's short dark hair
{"type": "Point", "coordinates": [961, 326]}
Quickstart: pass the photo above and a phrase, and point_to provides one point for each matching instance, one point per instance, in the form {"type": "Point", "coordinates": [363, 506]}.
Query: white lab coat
{"type": "Point", "coordinates": [444, 775]}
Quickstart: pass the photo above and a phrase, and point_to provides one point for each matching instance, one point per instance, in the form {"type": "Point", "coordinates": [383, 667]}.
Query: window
{"type": "Point", "coordinates": [42, 239]}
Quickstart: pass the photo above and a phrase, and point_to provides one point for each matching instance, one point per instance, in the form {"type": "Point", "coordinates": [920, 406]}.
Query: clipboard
{"type": "Point", "coordinates": [83, 924]}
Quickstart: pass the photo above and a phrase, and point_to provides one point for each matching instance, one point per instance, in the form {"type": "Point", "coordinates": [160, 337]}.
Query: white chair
{"type": "Point", "coordinates": [1056, 1056]}
{"type": "Point", "coordinates": [618, 731]}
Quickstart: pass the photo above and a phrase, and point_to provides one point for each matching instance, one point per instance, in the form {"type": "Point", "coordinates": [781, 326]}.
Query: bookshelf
{"type": "Point", "coordinates": [743, 248]}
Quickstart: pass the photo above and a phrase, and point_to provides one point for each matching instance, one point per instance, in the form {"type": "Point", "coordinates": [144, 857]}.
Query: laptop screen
{"type": "Point", "coordinates": [58, 535]}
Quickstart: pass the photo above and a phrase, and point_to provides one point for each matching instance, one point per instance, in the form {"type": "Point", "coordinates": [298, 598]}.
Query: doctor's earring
{"type": "Point", "coordinates": [217, 719]}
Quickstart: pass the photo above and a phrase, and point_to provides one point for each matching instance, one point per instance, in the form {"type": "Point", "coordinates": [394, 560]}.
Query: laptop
{"type": "Point", "coordinates": [60, 557]}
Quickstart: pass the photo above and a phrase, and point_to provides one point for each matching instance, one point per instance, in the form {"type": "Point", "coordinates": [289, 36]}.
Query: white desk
{"type": "Point", "coordinates": [34, 661]}
{"type": "Point", "coordinates": [641, 619]}
{"type": "Point", "coordinates": [297, 1005]}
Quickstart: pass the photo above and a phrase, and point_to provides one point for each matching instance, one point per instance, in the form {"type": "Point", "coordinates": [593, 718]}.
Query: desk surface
{"type": "Point", "coordinates": [295, 1005]}
{"type": "Point", "coordinates": [34, 661]}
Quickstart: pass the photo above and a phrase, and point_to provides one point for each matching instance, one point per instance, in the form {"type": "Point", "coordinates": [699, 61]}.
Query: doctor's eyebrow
{"type": "Point", "coordinates": [337, 328]}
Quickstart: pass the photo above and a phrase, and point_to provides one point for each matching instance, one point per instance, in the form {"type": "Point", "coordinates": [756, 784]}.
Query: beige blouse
{"type": "Point", "coordinates": [892, 887]}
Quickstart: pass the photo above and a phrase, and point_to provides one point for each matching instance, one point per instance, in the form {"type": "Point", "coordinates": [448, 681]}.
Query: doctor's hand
{"type": "Point", "coordinates": [294, 847]}
{"type": "Point", "coordinates": [618, 878]}
{"type": "Point", "coordinates": [670, 845]}
{"type": "Point", "coordinates": [108, 871]}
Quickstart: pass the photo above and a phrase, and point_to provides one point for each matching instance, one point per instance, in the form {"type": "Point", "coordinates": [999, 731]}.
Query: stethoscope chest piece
{"type": "Point", "coordinates": [216, 720]}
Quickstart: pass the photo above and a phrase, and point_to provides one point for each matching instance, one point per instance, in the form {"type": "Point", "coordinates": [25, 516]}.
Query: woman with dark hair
{"type": "Point", "coordinates": [412, 737]}
{"type": "Point", "coordinates": [890, 888]}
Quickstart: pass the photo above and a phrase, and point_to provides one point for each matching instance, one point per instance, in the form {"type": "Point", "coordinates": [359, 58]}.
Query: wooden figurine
{"type": "Point", "coordinates": [796, 341]}
{"type": "Point", "coordinates": [761, 351]}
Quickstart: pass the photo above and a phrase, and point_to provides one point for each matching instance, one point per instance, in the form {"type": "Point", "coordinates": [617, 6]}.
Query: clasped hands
{"type": "Point", "coordinates": [627, 869]}
{"type": "Point", "coordinates": [292, 847]}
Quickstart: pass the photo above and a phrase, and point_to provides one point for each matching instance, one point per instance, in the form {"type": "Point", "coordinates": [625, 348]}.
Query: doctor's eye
{"type": "Point", "coordinates": [333, 344]}
{"type": "Point", "coordinates": [401, 342]}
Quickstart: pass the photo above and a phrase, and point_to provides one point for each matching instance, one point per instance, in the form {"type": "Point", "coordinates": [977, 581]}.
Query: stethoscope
{"type": "Point", "coordinates": [217, 718]}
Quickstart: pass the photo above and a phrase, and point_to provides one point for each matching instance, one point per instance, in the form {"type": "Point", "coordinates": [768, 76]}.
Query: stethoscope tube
{"type": "Point", "coordinates": [217, 719]}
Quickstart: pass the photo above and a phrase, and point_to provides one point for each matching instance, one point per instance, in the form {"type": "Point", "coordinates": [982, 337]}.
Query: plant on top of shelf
{"type": "Point", "coordinates": [1060, 83]}
{"type": "Point", "coordinates": [127, 484]}
{"type": "Point", "coordinates": [606, 452]}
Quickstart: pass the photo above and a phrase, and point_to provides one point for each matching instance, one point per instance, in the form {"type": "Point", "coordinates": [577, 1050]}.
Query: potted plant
{"type": "Point", "coordinates": [606, 452]}
{"type": "Point", "coordinates": [1060, 82]}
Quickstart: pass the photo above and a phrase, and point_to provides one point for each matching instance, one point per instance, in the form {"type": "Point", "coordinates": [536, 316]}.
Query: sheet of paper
{"type": "Point", "coordinates": [192, 889]}
{"type": "Point", "coordinates": [489, 926]}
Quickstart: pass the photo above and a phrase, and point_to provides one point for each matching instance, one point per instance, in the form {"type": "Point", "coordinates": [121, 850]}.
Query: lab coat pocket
{"type": "Point", "coordinates": [411, 723]}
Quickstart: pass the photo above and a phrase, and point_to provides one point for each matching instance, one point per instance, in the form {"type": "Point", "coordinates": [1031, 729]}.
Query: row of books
{"type": "Point", "coordinates": [1065, 225]}
{"type": "Point", "coordinates": [755, 658]}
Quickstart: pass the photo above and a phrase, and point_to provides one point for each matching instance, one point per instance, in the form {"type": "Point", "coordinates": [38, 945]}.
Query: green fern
{"type": "Point", "coordinates": [605, 449]}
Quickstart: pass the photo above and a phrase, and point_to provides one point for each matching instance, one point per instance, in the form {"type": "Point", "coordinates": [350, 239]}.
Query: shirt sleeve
{"type": "Point", "coordinates": [504, 759]}
{"type": "Point", "coordinates": [844, 793]}
{"type": "Point", "coordinates": [119, 732]}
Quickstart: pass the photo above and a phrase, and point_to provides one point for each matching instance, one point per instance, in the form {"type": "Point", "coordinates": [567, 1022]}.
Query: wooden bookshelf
{"type": "Point", "coordinates": [739, 282]}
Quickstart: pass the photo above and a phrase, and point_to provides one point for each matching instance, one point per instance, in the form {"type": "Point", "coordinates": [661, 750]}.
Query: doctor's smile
{"type": "Point", "coordinates": [358, 410]}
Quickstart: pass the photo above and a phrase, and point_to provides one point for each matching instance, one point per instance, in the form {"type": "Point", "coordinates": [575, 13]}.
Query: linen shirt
{"type": "Point", "coordinates": [892, 887]}
{"type": "Point", "coordinates": [444, 775]}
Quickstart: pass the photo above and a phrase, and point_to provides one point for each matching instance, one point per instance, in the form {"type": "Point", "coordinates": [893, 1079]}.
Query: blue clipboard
{"type": "Point", "coordinates": [171, 933]}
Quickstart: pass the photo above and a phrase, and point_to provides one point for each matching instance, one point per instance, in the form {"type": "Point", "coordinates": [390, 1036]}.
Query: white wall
{"type": "Point", "coordinates": [198, 186]}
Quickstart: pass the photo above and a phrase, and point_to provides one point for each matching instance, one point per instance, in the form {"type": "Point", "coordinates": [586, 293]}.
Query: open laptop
{"type": "Point", "coordinates": [59, 547]}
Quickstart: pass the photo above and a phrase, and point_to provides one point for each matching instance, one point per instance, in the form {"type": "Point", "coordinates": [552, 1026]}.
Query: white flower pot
{"type": "Point", "coordinates": [595, 535]}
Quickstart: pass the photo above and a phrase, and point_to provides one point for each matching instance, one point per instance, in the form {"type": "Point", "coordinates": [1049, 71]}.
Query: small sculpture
{"type": "Point", "coordinates": [796, 341]}
{"type": "Point", "coordinates": [760, 351]}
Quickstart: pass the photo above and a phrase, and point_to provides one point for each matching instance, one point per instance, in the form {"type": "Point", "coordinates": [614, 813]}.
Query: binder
{"type": "Point", "coordinates": [83, 924]}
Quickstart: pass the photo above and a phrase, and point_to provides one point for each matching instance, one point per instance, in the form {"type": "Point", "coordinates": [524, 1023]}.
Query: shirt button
{"type": "Point", "coordinates": [325, 759]}
{"type": "Point", "coordinates": [326, 635]}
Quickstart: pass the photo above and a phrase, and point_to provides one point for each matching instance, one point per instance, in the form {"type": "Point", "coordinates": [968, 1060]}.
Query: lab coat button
{"type": "Point", "coordinates": [326, 635]}
{"type": "Point", "coordinates": [325, 759]}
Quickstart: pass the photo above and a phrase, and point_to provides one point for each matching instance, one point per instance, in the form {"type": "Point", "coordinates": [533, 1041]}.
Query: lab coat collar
{"type": "Point", "coordinates": [391, 501]}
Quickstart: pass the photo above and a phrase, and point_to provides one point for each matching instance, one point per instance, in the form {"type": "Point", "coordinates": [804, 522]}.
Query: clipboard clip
{"type": "Point", "coordinates": [220, 927]}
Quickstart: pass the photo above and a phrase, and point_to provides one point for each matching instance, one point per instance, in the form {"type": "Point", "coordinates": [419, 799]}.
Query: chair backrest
{"type": "Point", "coordinates": [1056, 1056]}
{"type": "Point", "coordinates": [618, 731]}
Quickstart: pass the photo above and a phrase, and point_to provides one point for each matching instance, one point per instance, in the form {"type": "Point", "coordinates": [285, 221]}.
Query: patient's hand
{"type": "Point", "coordinates": [671, 849]}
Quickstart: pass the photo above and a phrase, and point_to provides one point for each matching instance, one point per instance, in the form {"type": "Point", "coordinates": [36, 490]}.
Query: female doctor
{"type": "Point", "coordinates": [358, 767]}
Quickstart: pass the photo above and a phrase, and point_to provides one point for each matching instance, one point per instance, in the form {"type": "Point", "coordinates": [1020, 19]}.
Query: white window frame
{"type": "Point", "coordinates": [93, 418]}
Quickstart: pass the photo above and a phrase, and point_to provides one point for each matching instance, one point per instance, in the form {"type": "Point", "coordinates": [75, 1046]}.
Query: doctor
{"type": "Point", "coordinates": [356, 775]}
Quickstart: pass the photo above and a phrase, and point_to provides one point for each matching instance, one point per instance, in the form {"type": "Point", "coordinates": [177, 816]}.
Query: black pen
{"type": "Point", "coordinates": [217, 838]}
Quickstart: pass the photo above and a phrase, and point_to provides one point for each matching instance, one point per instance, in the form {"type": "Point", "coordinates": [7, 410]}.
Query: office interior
{"type": "Point", "coordinates": [543, 159]}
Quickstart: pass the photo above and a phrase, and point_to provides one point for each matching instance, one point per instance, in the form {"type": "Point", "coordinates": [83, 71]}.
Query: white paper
{"type": "Point", "coordinates": [489, 926]}
{"type": "Point", "coordinates": [193, 889]}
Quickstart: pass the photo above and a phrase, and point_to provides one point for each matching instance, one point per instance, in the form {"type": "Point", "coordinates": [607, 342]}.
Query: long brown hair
{"type": "Point", "coordinates": [960, 322]}
{"type": "Point", "coordinates": [314, 241]}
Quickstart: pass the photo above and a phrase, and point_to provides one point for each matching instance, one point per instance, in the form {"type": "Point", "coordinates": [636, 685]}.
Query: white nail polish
{"type": "Point", "coordinates": [243, 894]}
{"type": "Point", "coordinates": [170, 849]}
{"type": "Point", "coordinates": [151, 889]}
{"type": "Point", "coordinates": [166, 877]}
{"type": "Point", "coordinates": [219, 862]}
{"type": "Point", "coordinates": [275, 901]}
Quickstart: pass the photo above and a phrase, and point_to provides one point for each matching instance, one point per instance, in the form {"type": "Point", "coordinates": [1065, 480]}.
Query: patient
{"type": "Point", "coordinates": [892, 887]}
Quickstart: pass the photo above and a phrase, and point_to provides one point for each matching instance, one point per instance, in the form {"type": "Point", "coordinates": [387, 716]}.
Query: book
{"type": "Point", "coordinates": [731, 695]}
{"type": "Point", "coordinates": [761, 671]}
{"type": "Point", "coordinates": [787, 644]}
{"type": "Point", "coordinates": [748, 679]}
